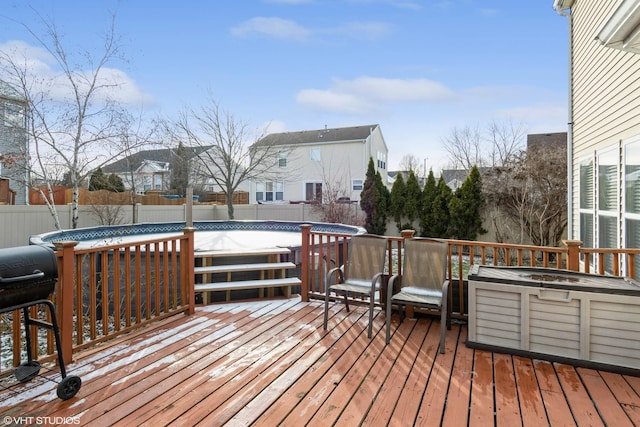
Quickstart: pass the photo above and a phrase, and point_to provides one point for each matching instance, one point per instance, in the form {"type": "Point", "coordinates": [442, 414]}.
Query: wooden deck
{"type": "Point", "coordinates": [270, 363]}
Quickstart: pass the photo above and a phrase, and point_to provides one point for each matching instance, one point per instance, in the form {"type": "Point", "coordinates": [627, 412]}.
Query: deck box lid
{"type": "Point", "coordinates": [555, 278]}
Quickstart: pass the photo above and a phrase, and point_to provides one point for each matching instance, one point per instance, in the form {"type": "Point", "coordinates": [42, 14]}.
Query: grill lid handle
{"type": "Point", "coordinates": [37, 274]}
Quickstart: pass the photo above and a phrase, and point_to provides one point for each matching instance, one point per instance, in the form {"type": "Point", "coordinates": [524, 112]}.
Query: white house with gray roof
{"type": "Point", "coordinates": [322, 164]}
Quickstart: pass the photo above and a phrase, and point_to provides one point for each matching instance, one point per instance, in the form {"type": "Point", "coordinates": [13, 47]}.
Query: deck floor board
{"type": "Point", "coordinates": [267, 363]}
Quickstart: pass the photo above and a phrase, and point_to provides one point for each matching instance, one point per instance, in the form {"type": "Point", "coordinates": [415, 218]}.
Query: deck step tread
{"type": "Point", "coordinates": [241, 252]}
{"type": "Point", "coordinates": [246, 284]}
{"type": "Point", "coordinates": [232, 268]}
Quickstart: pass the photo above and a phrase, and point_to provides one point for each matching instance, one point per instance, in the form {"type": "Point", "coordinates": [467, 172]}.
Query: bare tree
{"type": "Point", "coordinates": [530, 190]}
{"type": "Point", "coordinates": [464, 146]}
{"type": "Point", "coordinates": [336, 205]}
{"type": "Point", "coordinates": [505, 140]}
{"type": "Point", "coordinates": [73, 112]}
{"type": "Point", "coordinates": [410, 163]}
{"type": "Point", "coordinates": [233, 157]}
{"type": "Point", "coordinates": [133, 136]}
{"type": "Point", "coordinates": [496, 145]}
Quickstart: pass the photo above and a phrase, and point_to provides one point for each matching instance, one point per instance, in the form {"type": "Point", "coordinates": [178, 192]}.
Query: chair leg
{"type": "Point", "coordinates": [388, 321]}
{"type": "Point", "coordinates": [444, 319]}
{"type": "Point", "coordinates": [346, 300]}
{"type": "Point", "coordinates": [370, 327]}
{"type": "Point", "coordinates": [326, 308]}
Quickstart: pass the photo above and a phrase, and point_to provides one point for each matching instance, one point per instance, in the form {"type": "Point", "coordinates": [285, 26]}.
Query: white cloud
{"type": "Point", "coordinates": [46, 79]}
{"type": "Point", "coordinates": [285, 29]}
{"type": "Point", "coordinates": [334, 101]}
{"type": "Point", "coordinates": [359, 30]}
{"type": "Point", "coordinates": [272, 27]}
{"type": "Point", "coordinates": [368, 94]}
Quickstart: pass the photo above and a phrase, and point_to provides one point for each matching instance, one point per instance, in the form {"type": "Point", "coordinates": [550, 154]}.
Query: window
{"type": "Point", "coordinates": [13, 115]}
{"type": "Point", "coordinates": [632, 199]}
{"type": "Point", "coordinates": [146, 182]}
{"type": "Point", "coordinates": [608, 203]}
{"type": "Point", "coordinates": [586, 203]}
{"type": "Point", "coordinates": [357, 185]}
{"type": "Point", "coordinates": [269, 191]}
{"type": "Point", "coordinates": [382, 160]}
{"type": "Point", "coordinates": [157, 182]}
{"type": "Point", "coordinates": [313, 191]}
{"type": "Point", "coordinates": [282, 159]}
{"type": "Point", "coordinates": [315, 154]}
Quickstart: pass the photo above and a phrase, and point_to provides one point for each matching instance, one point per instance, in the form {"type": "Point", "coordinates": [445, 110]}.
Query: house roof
{"type": "Point", "coordinates": [134, 161]}
{"type": "Point", "coordinates": [556, 140]}
{"type": "Point", "coordinates": [354, 133]}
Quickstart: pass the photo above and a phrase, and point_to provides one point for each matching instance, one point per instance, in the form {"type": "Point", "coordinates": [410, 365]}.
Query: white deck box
{"type": "Point", "coordinates": [556, 315]}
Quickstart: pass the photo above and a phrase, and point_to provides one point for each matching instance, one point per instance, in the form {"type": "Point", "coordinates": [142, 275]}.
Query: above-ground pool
{"type": "Point", "coordinates": [233, 242]}
{"type": "Point", "coordinates": [210, 235]}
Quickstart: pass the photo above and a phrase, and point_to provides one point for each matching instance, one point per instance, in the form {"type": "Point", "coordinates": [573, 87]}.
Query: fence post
{"type": "Point", "coordinates": [64, 309]}
{"type": "Point", "coordinates": [188, 263]}
{"type": "Point", "coordinates": [573, 254]}
{"type": "Point", "coordinates": [304, 262]}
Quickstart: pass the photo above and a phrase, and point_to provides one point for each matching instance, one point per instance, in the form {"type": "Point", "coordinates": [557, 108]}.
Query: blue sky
{"type": "Point", "coordinates": [418, 68]}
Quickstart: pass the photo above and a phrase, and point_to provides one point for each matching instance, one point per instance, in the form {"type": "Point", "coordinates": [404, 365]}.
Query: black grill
{"type": "Point", "coordinates": [27, 273]}
{"type": "Point", "coordinates": [28, 276]}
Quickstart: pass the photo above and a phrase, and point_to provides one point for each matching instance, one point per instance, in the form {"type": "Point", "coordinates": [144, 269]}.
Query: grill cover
{"type": "Point", "coordinates": [27, 273]}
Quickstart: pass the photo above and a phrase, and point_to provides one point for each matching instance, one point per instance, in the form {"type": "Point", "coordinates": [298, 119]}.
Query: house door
{"type": "Point", "coordinates": [313, 191]}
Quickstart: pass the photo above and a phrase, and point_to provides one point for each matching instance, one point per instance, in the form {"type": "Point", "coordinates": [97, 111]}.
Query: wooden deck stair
{"type": "Point", "coordinates": [219, 270]}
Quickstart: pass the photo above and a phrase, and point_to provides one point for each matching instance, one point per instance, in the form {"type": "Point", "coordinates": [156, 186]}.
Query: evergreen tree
{"type": "Point", "coordinates": [98, 180]}
{"type": "Point", "coordinates": [429, 193]}
{"type": "Point", "coordinates": [412, 202]}
{"type": "Point", "coordinates": [374, 201]}
{"type": "Point", "coordinates": [438, 215]}
{"type": "Point", "coordinates": [115, 183]}
{"type": "Point", "coordinates": [368, 196]}
{"type": "Point", "coordinates": [466, 208]}
{"type": "Point", "coordinates": [180, 170]}
{"type": "Point", "coordinates": [397, 200]}
{"type": "Point", "coordinates": [382, 206]}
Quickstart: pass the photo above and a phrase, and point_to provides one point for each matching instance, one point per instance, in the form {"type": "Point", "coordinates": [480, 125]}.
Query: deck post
{"type": "Point", "coordinates": [304, 262]}
{"type": "Point", "coordinates": [188, 264]}
{"type": "Point", "coordinates": [407, 234]}
{"type": "Point", "coordinates": [573, 254]}
{"type": "Point", "coordinates": [64, 302]}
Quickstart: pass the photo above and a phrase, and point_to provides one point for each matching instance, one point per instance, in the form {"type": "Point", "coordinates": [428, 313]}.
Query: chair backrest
{"type": "Point", "coordinates": [367, 254]}
{"type": "Point", "coordinates": [425, 263]}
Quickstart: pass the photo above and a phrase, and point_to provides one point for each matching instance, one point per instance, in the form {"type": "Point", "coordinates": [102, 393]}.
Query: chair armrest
{"type": "Point", "coordinates": [392, 281]}
{"type": "Point", "coordinates": [330, 273]}
{"type": "Point", "coordinates": [374, 279]}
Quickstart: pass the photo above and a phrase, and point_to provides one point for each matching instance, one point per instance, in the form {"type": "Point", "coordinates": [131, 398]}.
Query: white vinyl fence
{"type": "Point", "coordinates": [19, 222]}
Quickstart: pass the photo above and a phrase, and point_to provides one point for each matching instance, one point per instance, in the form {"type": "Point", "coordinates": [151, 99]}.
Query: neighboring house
{"type": "Point", "coordinates": [147, 170]}
{"type": "Point", "coordinates": [604, 123]}
{"type": "Point", "coordinates": [14, 144]}
{"type": "Point", "coordinates": [319, 165]}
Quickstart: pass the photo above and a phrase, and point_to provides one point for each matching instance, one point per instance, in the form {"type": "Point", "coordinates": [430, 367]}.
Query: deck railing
{"type": "Point", "coordinates": [462, 255]}
{"type": "Point", "coordinates": [106, 291]}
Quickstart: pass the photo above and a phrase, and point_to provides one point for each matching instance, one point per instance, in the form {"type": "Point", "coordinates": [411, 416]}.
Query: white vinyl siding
{"type": "Point", "coordinates": [605, 106]}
